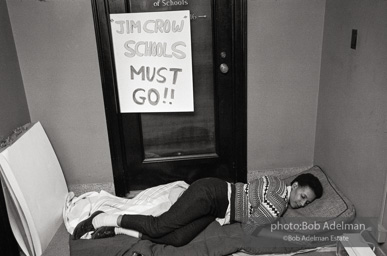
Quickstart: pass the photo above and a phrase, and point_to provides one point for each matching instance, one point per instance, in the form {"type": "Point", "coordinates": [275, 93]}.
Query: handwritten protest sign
{"type": "Point", "coordinates": [153, 60]}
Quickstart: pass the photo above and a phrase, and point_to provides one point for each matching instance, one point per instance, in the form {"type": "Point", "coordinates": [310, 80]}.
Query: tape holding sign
{"type": "Point", "coordinates": [153, 60]}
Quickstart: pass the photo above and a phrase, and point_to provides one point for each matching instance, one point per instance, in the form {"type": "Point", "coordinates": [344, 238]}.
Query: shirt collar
{"type": "Point", "coordinates": [289, 189]}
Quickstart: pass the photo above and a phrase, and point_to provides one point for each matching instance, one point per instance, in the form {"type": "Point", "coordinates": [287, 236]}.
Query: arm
{"type": "Point", "coordinates": [267, 199]}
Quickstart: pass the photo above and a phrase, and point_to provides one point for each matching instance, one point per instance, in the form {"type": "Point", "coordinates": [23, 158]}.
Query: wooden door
{"type": "Point", "coordinates": [149, 149]}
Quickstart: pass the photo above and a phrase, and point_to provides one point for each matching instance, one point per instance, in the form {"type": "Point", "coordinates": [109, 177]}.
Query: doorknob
{"type": "Point", "coordinates": [223, 68]}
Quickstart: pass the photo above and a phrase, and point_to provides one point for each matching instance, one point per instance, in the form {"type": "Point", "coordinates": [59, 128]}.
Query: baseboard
{"type": "Point", "coordinates": [80, 189]}
{"type": "Point", "coordinates": [280, 172]}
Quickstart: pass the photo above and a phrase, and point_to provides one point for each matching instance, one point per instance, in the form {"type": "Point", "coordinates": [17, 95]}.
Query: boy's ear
{"type": "Point", "coordinates": [295, 185]}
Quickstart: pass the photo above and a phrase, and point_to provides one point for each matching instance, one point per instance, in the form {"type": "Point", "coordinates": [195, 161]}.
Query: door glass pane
{"type": "Point", "coordinates": [185, 134]}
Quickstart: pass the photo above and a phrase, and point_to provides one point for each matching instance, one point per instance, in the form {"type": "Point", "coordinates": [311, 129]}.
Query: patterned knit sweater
{"type": "Point", "coordinates": [261, 201]}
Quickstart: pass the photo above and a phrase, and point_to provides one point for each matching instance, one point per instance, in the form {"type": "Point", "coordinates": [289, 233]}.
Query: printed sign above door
{"type": "Point", "coordinates": [153, 58]}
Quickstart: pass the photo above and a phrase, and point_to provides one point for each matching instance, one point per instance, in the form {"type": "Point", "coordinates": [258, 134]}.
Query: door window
{"type": "Point", "coordinates": [185, 134]}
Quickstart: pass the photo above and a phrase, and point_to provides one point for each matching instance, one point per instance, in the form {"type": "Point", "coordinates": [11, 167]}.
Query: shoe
{"type": "Point", "coordinates": [103, 232]}
{"type": "Point", "coordinates": [85, 226]}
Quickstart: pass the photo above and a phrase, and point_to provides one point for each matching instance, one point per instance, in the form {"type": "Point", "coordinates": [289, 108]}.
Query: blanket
{"type": "Point", "coordinates": [152, 201]}
{"type": "Point", "coordinates": [215, 240]}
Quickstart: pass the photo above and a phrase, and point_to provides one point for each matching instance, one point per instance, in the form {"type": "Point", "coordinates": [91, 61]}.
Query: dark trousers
{"type": "Point", "coordinates": [204, 201]}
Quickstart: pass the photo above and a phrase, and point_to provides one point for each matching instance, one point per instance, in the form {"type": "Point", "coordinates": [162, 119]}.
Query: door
{"type": "Point", "coordinates": [149, 149]}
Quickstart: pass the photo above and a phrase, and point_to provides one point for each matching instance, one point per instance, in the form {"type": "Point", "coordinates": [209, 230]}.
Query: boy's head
{"type": "Point", "coordinates": [305, 189]}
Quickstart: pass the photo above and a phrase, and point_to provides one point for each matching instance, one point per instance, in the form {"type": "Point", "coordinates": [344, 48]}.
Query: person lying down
{"type": "Point", "coordinates": [257, 203]}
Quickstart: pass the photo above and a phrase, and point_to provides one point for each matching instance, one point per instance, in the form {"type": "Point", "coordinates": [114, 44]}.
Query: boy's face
{"type": "Point", "coordinates": [300, 196]}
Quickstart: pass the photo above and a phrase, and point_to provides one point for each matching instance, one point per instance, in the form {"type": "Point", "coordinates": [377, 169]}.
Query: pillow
{"type": "Point", "coordinates": [332, 207]}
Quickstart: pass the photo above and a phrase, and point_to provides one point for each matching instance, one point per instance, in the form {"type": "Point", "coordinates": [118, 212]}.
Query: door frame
{"type": "Point", "coordinates": [110, 94]}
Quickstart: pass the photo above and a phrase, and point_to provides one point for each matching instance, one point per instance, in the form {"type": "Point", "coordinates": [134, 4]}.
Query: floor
{"type": "Point", "coordinates": [59, 245]}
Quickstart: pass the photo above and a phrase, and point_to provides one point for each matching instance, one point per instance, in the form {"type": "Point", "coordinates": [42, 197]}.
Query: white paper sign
{"type": "Point", "coordinates": [153, 60]}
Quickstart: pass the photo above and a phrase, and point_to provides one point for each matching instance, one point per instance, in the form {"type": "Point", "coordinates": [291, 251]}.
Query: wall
{"type": "Point", "coordinates": [13, 111]}
{"type": "Point", "coordinates": [13, 103]}
{"type": "Point", "coordinates": [351, 136]}
{"type": "Point", "coordinates": [284, 57]}
{"type": "Point", "coordinates": [56, 46]}
{"type": "Point", "coordinates": [57, 53]}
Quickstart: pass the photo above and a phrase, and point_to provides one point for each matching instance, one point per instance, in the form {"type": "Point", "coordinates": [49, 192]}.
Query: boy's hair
{"type": "Point", "coordinates": [308, 179]}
